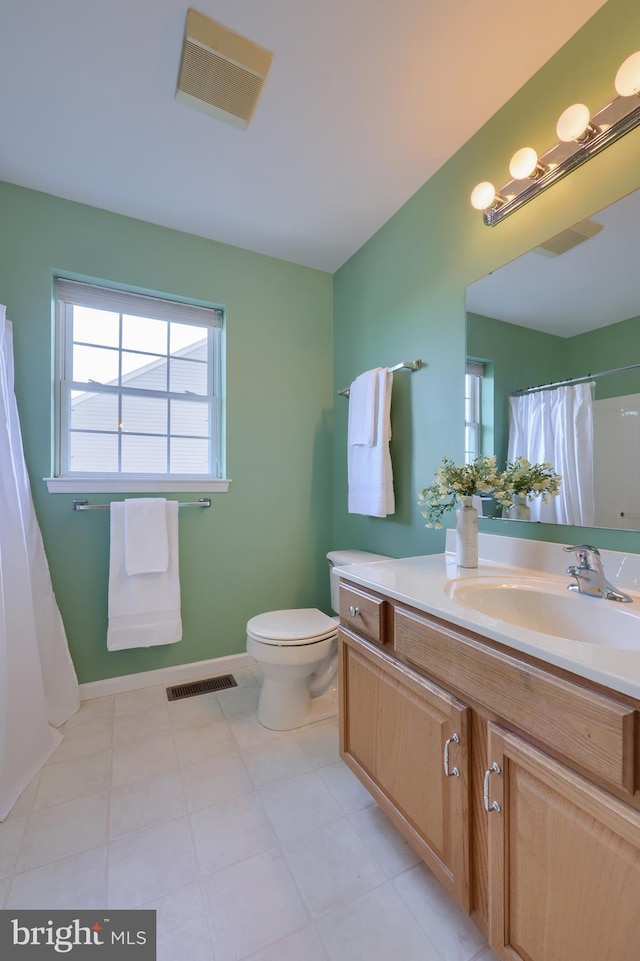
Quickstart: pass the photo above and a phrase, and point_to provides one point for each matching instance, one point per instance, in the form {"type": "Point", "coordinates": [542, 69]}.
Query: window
{"type": "Point", "coordinates": [138, 390]}
{"type": "Point", "coordinates": [472, 410]}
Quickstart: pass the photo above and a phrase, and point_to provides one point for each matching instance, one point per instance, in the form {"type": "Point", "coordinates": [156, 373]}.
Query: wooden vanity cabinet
{"type": "Point", "coordinates": [395, 728]}
{"type": "Point", "coordinates": [539, 838]}
{"type": "Point", "coordinates": [564, 861]}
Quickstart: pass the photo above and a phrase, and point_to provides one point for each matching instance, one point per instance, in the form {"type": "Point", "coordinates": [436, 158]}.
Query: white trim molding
{"type": "Point", "coordinates": [177, 674]}
{"type": "Point", "coordinates": [93, 485]}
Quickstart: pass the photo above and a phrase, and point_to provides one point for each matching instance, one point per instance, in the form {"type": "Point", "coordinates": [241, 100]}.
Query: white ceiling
{"type": "Point", "coordinates": [365, 100]}
{"type": "Point", "coordinates": [591, 286]}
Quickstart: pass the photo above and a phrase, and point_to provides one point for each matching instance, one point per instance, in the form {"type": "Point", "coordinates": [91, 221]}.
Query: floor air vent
{"type": "Point", "coordinates": [201, 687]}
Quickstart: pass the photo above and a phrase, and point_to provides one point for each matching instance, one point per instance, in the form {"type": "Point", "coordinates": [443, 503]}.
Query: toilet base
{"type": "Point", "coordinates": [278, 714]}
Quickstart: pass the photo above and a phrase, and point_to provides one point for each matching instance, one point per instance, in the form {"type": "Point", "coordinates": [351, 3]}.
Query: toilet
{"type": "Point", "coordinates": [297, 652]}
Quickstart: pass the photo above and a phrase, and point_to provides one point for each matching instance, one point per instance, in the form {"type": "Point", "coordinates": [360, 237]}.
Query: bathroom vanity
{"type": "Point", "coordinates": [509, 758]}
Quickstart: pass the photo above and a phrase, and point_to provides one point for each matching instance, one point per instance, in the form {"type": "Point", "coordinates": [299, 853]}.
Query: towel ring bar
{"type": "Point", "coordinates": [86, 506]}
{"type": "Point", "coordinates": [403, 365]}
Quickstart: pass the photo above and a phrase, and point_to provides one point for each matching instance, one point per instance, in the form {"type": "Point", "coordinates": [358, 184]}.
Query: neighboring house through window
{"type": "Point", "coordinates": [138, 402]}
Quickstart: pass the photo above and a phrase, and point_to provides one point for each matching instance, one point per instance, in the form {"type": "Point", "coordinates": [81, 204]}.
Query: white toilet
{"type": "Point", "coordinates": [297, 652]}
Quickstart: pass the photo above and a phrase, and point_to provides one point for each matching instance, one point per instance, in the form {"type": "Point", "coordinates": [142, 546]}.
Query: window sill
{"type": "Point", "coordinates": [94, 485]}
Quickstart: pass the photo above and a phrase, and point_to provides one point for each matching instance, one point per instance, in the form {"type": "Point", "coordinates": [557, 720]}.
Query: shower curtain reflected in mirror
{"type": "Point", "coordinates": [556, 426]}
{"type": "Point", "coordinates": [38, 684]}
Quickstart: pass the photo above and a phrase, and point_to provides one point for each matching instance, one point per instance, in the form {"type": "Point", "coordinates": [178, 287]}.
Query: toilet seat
{"type": "Point", "coordinates": [292, 628]}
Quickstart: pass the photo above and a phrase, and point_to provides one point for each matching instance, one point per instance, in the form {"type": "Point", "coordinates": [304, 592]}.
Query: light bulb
{"type": "Point", "coordinates": [575, 123]}
{"type": "Point", "coordinates": [483, 195]}
{"type": "Point", "coordinates": [524, 163]}
{"type": "Point", "coordinates": [627, 80]}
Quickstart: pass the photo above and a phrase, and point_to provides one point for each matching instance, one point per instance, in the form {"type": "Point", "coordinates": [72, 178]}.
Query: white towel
{"type": "Point", "coordinates": [369, 468]}
{"type": "Point", "coordinates": [144, 609]}
{"type": "Point", "coordinates": [146, 544]}
{"type": "Point", "coordinates": [363, 408]}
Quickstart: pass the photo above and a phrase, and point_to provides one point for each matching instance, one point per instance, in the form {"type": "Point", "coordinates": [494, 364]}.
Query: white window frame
{"type": "Point", "coordinates": [473, 409]}
{"type": "Point", "coordinates": [70, 293]}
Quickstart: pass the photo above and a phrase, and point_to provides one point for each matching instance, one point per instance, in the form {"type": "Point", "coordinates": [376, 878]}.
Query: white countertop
{"type": "Point", "coordinates": [425, 582]}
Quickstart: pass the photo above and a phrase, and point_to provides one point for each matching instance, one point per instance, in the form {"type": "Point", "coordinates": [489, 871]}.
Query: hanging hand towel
{"type": "Point", "coordinates": [146, 544]}
{"type": "Point", "coordinates": [363, 404]}
{"type": "Point", "coordinates": [369, 468]}
{"type": "Point", "coordinates": [144, 609]}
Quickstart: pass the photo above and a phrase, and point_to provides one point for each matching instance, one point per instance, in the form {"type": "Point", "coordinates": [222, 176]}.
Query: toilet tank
{"type": "Point", "coordinates": [343, 559]}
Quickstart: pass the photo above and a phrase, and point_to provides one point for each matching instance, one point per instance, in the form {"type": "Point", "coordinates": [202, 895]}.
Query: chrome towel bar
{"type": "Point", "coordinates": [86, 506]}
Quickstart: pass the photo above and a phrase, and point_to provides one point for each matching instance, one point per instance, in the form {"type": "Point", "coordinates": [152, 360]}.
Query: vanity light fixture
{"type": "Point", "coordinates": [581, 135]}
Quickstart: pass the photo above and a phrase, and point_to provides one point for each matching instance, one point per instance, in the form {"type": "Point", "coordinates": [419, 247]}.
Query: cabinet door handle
{"type": "Point", "coordinates": [494, 806]}
{"type": "Point", "coordinates": [354, 611]}
{"type": "Point", "coordinates": [455, 772]}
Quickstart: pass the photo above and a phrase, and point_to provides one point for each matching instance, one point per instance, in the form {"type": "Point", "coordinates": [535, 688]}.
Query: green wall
{"type": "Point", "coordinates": [607, 349]}
{"type": "Point", "coordinates": [262, 545]}
{"type": "Point", "coordinates": [402, 295]}
{"type": "Point", "coordinates": [518, 357]}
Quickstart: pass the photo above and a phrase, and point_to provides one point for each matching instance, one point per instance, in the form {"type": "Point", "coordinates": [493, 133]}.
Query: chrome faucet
{"type": "Point", "coordinates": [589, 575]}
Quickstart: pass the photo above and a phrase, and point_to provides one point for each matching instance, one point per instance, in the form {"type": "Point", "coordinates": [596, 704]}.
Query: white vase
{"type": "Point", "coordinates": [466, 534]}
{"type": "Point", "coordinates": [519, 510]}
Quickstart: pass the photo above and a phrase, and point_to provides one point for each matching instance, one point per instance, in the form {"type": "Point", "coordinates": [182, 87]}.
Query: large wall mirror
{"type": "Point", "coordinates": [569, 311]}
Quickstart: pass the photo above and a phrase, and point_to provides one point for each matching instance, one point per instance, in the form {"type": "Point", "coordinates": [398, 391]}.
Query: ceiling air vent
{"type": "Point", "coordinates": [569, 238]}
{"type": "Point", "coordinates": [221, 73]}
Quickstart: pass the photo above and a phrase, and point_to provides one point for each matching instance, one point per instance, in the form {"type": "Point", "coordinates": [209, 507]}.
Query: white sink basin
{"type": "Point", "coordinates": [545, 605]}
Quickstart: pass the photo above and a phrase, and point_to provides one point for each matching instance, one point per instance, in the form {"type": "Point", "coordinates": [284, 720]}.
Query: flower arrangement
{"type": "Point", "coordinates": [452, 482]}
{"type": "Point", "coordinates": [532, 480]}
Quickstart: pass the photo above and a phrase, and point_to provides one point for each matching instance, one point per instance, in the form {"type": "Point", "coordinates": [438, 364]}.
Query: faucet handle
{"type": "Point", "coordinates": [582, 547]}
{"type": "Point", "coordinates": [584, 552]}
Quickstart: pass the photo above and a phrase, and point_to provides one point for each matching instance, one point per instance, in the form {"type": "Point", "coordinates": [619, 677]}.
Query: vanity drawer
{"type": "Point", "coordinates": [364, 613]}
{"type": "Point", "coordinates": [589, 729]}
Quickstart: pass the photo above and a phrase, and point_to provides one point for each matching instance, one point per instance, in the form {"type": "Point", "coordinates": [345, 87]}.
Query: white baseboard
{"type": "Point", "coordinates": [166, 675]}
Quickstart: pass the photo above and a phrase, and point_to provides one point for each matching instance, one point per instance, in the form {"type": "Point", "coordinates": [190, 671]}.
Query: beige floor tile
{"type": "Point", "coordinates": [229, 832]}
{"type": "Point", "coordinates": [378, 927]}
{"type": "Point", "coordinates": [320, 742]}
{"type": "Point", "coordinates": [63, 829]}
{"type": "Point", "coordinates": [299, 805]}
{"type": "Point", "coordinates": [143, 758]}
{"type": "Point", "coordinates": [24, 803]}
{"type": "Point", "coordinates": [182, 928]}
{"type": "Point", "coordinates": [265, 884]}
{"type": "Point", "coordinates": [303, 945]}
{"type": "Point", "coordinates": [202, 743]}
{"type": "Point", "coordinates": [147, 865]}
{"type": "Point", "coordinates": [444, 922]}
{"type": "Point", "coordinates": [275, 761]}
{"type": "Point", "coordinates": [130, 727]}
{"type": "Point", "coordinates": [78, 881]}
{"type": "Point", "coordinates": [345, 787]}
{"type": "Point", "coordinates": [392, 852]}
{"type": "Point", "coordinates": [92, 710]}
{"type": "Point", "coordinates": [194, 712]}
{"type": "Point", "coordinates": [142, 804]}
{"type": "Point", "coordinates": [83, 739]}
{"type": "Point", "coordinates": [215, 780]}
{"type": "Point", "coordinates": [141, 701]}
{"type": "Point", "coordinates": [331, 865]}
{"type": "Point", "coordinates": [239, 700]}
{"type": "Point", "coordinates": [80, 777]}
{"type": "Point", "coordinates": [11, 834]}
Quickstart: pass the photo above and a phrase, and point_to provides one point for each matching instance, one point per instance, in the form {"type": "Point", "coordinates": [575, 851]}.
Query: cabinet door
{"type": "Point", "coordinates": [564, 861]}
{"type": "Point", "coordinates": [394, 729]}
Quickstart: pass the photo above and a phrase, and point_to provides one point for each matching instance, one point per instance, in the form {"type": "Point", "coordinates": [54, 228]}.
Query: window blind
{"type": "Point", "coordinates": [139, 305]}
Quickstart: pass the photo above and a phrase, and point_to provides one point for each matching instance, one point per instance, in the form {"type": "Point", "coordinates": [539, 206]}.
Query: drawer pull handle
{"type": "Point", "coordinates": [354, 611]}
{"type": "Point", "coordinates": [494, 806]}
{"type": "Point", "coordinates": [455, 772]}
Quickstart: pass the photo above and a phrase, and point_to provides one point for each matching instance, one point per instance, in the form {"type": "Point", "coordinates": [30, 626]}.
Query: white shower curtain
{"type": "Point", "coordinates": [38, 684]}
{"type": "Point", "coordinates": [557, 426]}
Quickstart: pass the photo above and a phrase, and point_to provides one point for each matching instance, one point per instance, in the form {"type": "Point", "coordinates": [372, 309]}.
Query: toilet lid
{"type": "Point", "coordinates": [293, 627]}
